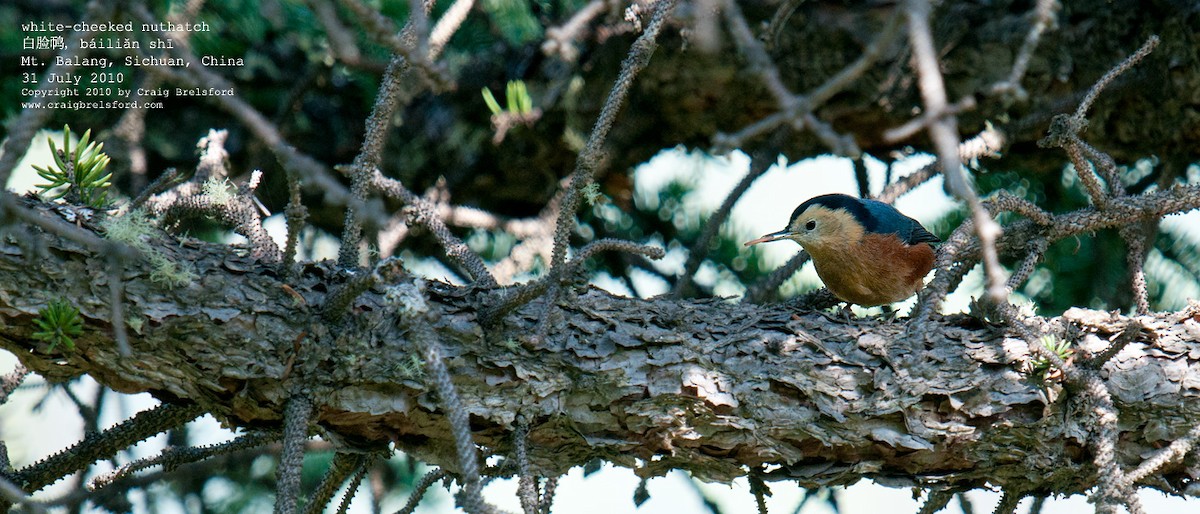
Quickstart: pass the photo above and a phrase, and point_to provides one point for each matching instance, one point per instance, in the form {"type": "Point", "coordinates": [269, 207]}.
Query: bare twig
{"type": "Point", "coordinates": [759, 292]}
{"type": "Point", "coordinates": [526, 481]}
{"type": "Point", "coordinates": [291, 458]}
{"type": "Point", "coordinates": [105, 444]}
{"type": "Point", "coordinates": [1173, 452]}
{"type": "Point", "coordinates": [589, 157]}
{"type": "Point", "coordinates": [561, 40]}
{"type": "Point", "coordinates": [760, 162]}
{"type": "Point", "coordinates": [171, 458]}
{"type": "Point", "coordinates": [9, 383]}
{"type": "Point", "coordinates": [343, 465]}
{"type": "Point", "coordinates": [352, 488]}
{"type": "Point", "coordinates": [1112, 74]}
{"type": "Point", "coordinates": [426, 215]}
{"type": "Point", "coordinates": [944, 133]}
{"type": "Point", "coordinates": [1043, 18]}
{"type": "Point", "coordinates": [419, 489]}
{"type": "Point", "coordinates": [935, 501]}
{"type": "Point", "coordinates": [1009, 501]}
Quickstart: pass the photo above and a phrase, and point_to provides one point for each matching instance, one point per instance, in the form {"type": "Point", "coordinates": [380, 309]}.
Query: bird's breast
{"type": "Point", "coordinates": [875, 270]}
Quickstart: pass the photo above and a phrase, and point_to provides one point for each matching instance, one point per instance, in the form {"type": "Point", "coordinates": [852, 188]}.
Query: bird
{"type": "Point", "coordinates": [865, 251]}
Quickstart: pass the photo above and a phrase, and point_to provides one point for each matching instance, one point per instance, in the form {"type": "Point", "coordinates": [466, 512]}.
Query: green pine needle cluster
{"type": "Point", "coordinates": [57, 323]}
{"type": "Point", "coordinates": [1042, 368]}
{"type": "Point", "coordinates": [79, 174]}
{"type": "Point", "coordinates": [516, 96]}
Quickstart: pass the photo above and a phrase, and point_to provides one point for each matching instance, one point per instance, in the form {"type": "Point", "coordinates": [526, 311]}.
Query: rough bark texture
{"type": "Point", "coordinates": [708, 386]}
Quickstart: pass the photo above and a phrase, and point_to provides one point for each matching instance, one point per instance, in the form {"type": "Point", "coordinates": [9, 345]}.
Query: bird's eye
{"type": "Point", "coordinates": [810, 225]}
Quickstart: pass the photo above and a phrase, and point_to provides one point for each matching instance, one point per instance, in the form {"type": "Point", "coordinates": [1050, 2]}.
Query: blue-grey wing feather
{"type": "Point", "coordinates": [888, 220]}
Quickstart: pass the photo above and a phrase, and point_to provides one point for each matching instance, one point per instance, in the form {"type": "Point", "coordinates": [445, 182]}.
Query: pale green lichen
{"type": "Point", "coordinates": [136, 230]}
{"type": "Point", "coordinates": [219, 190]}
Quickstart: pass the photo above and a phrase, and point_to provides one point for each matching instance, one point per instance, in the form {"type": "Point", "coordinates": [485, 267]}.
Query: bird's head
{"type": "Point", "coordinates": [823, 222]}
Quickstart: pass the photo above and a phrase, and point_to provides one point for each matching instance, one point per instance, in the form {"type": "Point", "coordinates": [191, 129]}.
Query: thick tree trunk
{"type": "Point", "coordinates": [709, 386]}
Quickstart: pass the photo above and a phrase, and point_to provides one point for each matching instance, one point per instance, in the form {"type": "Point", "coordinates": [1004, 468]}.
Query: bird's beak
{"type": "Point", "coordinates": [774, 236]}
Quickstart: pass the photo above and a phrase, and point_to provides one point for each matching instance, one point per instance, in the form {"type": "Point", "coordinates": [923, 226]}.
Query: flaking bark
{"type": "Point", "coordinates": [708, 386]}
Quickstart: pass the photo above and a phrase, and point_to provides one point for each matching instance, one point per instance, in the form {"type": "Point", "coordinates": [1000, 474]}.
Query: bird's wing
{"type": "Point", "coordinates": [888, 220]}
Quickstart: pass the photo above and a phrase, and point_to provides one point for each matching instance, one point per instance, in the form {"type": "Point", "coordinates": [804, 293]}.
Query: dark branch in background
{"type": "Point", "coordinates": [798, 110]}
{"type": "Point", "coordinates": [103, 445]}
{"type": "Point", "coordinates": [419, 489]}
{"type": "Point", "coordinates": [172, 458]}
{"type": "Point", "coordinates": [343, 465]}
{"type": "Point", "coordinates": [760, 162]}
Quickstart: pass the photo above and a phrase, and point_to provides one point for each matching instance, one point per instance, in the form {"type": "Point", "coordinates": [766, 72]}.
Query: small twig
{"type": "Point", "coordinates": [525, 482]}
{"type": "Point", "coordinates": [1136, 236]}
{"type": "Point", "coordinates": [352, 488]}
{"type": "Point", "coordinates": [760, 491]}
{"type": "Point", "coordinates": [1043, 18]}
{"type": "Point", "coordinates": [1173, 452]}
{"type": "Point", "coordinates": [169, 178]}
{"type": "Point", "coordinates": [1112, 74]}
{"type": "Point", "coordinates": [760, 162]}
{"type": "Point", "coordinates": [759, 292]}
{"type": "Point", "coordinates": [1028, 264]}
{"type": "Point", "coordinates": [171, 458]}
{"type": "Point", "coordinates": [438, 378]}
{"type": "Point", "coordinates": [944, 133]}
{"type": "Point", "coordinates": [419, 489]}
{"type": "Point", "coordinates": [935, 501]}
{"type": "Point", "coordinates": [965, 504]}
{"type": "Point", "coordinates": [295, 214]}
{"type": "Point", "coordinates": [8, 384]}
{"type": "Point", "coordinates": [1038, 502]}
{"type": "Point", "coordinates": [548, 494]}
{"type": "Point", "coordinates": [511, 298]}
{"type": "Point", "coordinates": [588, 160]}
{"type": "Point", "coordinates": [561, 40]}
{"type": "Point", "coordinates": [103, 445]}
{"type": "Point", "coordinates": [1009, 501]}
{"type": "Point", "coordinates": [12, 495]}
{"type": "Point", "coordinates": [343, 465]}
{"type": "Point", "coordinates": [427, 215]}
{"type": "Point", "coordinates": [1133, 330]}
{"type": "Point", "coordinates": [380, 28]}
{"type": "Point", "coordinates": [291, 459]}
{"type": "Point", "coordinates": [447, 25]}
{"type": "Point", "coordinates": [927, 118]}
